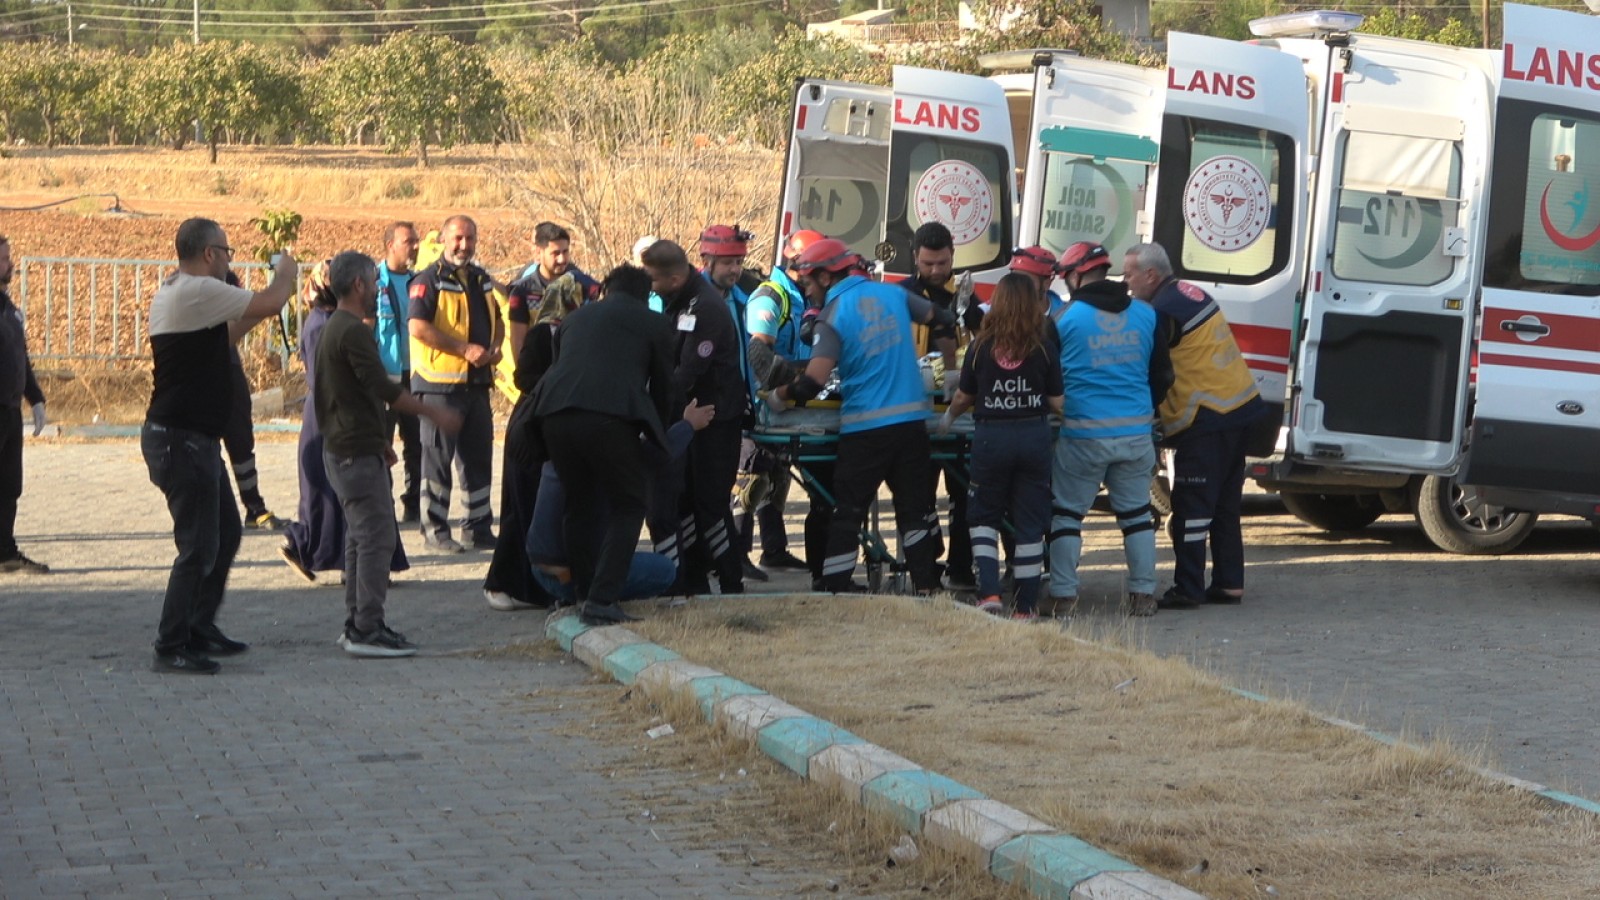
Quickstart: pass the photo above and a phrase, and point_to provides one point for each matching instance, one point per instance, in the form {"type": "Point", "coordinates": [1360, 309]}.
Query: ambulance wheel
{"type": "Point", "coordinates": [1161, 484]}
{"type": "Point", "coordinates": [1334, 512]}
{"type": "Point", "coordinates": [1457, 520]}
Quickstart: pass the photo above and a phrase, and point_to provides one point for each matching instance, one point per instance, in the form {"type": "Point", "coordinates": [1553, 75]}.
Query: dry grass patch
{"type": "Point", "coordinates": [1146, 756]}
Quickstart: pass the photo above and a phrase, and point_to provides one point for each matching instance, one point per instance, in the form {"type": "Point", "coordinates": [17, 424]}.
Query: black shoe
{"type": "Point", "coordinates": [1172, 599]}
{"type": "Point", "coordinates": [483, 540]}
{"type": "Point", "coordinates": [208, 640]}
{"type": "Point", "coordinates": [608, 614]}
{"type": "Point", "coordinates": [753, 573]}
{"type": "Point", "coordinates": [960, 581]}
{"type": "Point", "coordinates": [410, 514]}
{"type": "Point", "coordinates": [184, 662]}
{"type": "Point", "coordinates": [782, 560]}
{"type": "Point", "coordinates": [1218, 595]}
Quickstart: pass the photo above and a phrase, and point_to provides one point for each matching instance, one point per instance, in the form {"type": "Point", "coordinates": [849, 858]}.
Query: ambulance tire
{"type": "Point", "coordinates": [1456, 520]}
{"type": "Point", "coordinates": [1161, 484]}
{"type": "Point", "coordinates": [1334, 512]}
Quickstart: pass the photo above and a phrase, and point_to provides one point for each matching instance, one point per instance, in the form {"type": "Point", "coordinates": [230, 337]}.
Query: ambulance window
{"type": "Point", "coordinates": [841, 190]}
{"type": "Point", "coordinates": [856, 117]}
{"type": "Point", "coordinates": [963, 184]}
{"type": "Point", "coordinates": [1398, 198]}
{"type": "Point", "coordinates": [1088, 199]}
{"type": "Point", "coordinates": [1238, 188]}
{"type": "Point", "coordinates": [1544, 220]}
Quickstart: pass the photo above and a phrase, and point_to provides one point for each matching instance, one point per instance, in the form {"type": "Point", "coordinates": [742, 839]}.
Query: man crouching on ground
{"type": "Point", "coordinates": [350, 393]}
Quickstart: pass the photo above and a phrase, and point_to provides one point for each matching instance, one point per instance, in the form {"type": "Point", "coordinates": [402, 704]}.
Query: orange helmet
{"type": "Point", "coordinates": [1034, 261]}
{"type": "Point", "coordinates": [797, 242]}
{"type": "Point", "coordinates": [1084, 256]}
{"type": "Point", "coordinates": [724, 240]}
{"type": "Point", "coordinates": [829, 255]}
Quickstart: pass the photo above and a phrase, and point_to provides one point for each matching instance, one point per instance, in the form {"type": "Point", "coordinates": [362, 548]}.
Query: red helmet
{"type": "Point", "coordinates": [829, 255]}
{"type": "Point", "coordinates": [1034, 261]}
{"type": "Point", "coordinates": [1084, 256]}
{"type": "Point", "coordinates": [724, 240]}
{"type": "Point", "coordinates": [799, 241]}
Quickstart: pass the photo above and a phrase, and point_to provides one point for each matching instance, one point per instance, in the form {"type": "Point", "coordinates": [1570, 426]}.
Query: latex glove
{"type": "Point", "coordinates": [952, 381]}
{"type": "Point", "coordinates": [944, 423]}
{"type": "Point", "coordinates": [774, 402]}
{"type": "Point", "coordinates": [964, 292]}
{"type": "Point", "coordinates": [38, 418]}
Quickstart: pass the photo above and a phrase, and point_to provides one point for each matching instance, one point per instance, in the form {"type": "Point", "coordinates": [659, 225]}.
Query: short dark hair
{"type": "Point", "coordinates": [388, 232]}
{"type": "Point", "coordinates": [932, 236]}
{"type": "Point", "coordinates": [626, 279]}
{"type": "Point", "coordinates": [666, 256]}
{"type": "Point", "coordinates": [545, 232]}
{"type": "Point", "coordinates": [194, 236]}
{"type": "Point", "coordinates": [347, 269]}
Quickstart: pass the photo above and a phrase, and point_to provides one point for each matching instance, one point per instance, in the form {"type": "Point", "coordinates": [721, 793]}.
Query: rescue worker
{"type": "Point", "coordinates": [1039, 265]}
{"type": "Point", "coordinates": [1206, 418]}
{"type": "Point", "coordinates": [552, 251]}
{"type": "Point", "coordinates": [1114, 372]}
{"type": "Point", "coordinates": [389, 327]}
{"type": "Point", "coordinates": [707, 352]}
{"type": "Point", "coordinates": [455, 343]}
{"type": "Point", "coordinates": [932, 254]}
{"type": "Point", "coordinates": [865, 330]}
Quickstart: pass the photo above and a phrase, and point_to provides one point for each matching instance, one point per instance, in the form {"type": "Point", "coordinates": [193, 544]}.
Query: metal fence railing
{"type": "Point", "coordinates": [85, 310]}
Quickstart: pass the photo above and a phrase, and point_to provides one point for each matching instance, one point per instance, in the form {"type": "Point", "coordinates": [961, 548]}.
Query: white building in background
{"type": "Point", "coordinates": [876, 28]}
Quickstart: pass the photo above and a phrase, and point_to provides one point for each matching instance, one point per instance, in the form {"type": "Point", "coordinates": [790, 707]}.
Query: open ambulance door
{"type": "Point", "coordinates": [1232, 191]}
{"type": "Point", "coordinates": [1091, 155]}
{"type": "Point", "coordinates": [1397, 245]}
{"type": "Point", "coordinates": [950, 161]}
{"type": "Point", "coordinates": [1537, 421]}
{"type": "Point", "coordinates": [837, 166]}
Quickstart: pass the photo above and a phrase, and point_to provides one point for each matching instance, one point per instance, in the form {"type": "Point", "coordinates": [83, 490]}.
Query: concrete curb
{"type": "Point", "coordinates": [1008, 843]}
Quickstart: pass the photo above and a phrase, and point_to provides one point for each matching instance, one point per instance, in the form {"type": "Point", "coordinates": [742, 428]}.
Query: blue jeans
{"type": "Point", "coordinates": [1124, 465]}
{"type": "Point", "coordinates": [649, 575]}
{"type": "Point", "coordinates": [187, 467]}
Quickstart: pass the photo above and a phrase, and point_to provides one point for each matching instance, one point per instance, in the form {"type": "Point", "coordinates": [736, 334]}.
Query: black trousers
{"type": "Point", "coordinates": [409, 427]}
{"type": "Point", "coordinates": [472, 448]}
{"type": "Point", "coordinates": [602, 466]}
{"type": "Point", "coordinates": [959, 559]}
{"type": "Point", "coordinates": [1207, 492]}
{"type": "Point", "coordinates": [712, 467]}
{"type": "Point", "coordinates": [187, 467]}
{"type": "Point", "coordinates": [899, 456]}
{"type": "Point", "coordinates": [819, 516]}
{"type": "Point", "coordinates": [239, 439]}
{"type": "Point", "coordinates": [10, 477]}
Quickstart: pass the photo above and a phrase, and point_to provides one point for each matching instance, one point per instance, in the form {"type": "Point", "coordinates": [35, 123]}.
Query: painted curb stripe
{"type": "Point", "coordinates": [1051, 865]}
{"type": "Point", "coordinates": [625, 663]}
{"type": "Point", "coordinates": [564, 629]}
{"type": "Point", "coordinates": [908, 795]}
{"type": "Point", "coordinates": [792, 742]}
{"type": "Point", "coordinates": [711, 690]}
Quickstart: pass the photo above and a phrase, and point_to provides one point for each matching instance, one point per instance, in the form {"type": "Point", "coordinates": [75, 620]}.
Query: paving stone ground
{"type": "Point", "coordinates": [298, 771]}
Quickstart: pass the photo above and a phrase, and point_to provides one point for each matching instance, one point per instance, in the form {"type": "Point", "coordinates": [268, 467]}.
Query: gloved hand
{"type": "Point", "coordinates": [808, 324]}
{"type": "Point", "coordinates": [774, 402]}
{"type": "Point", "coordinates": [38, 418]}
{"type": "Point", "coordinates": [952, 381]}
{"type": "Point", "coordinates": [944, 423]}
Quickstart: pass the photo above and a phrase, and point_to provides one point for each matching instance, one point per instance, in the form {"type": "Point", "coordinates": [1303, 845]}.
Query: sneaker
{"type": "Point", "coordinates": [446, 544]}
{"type": "Point", "coordinates": [381, 642]}
{"type": "Point", "coordinates": [483, 540]}
{"type": "Point", "coordinates": [991, 605]}
{"type": "Point", "coordinates": [208, 640]}
{"type": "Point", "coordinates": [783, 560]}
{"type": "Point", "coordinates": [264, 521]}
{"type": "Point", "coordinates": [1173, 599]}
{"type": "Point", "coordinates": [753, 573]}
{"type": "Point", "coordinates": [1218, 595]}
{"type": "Point", "coordinates": [184, 662]}
{"type": "Point", "coordinates": [960, 581]}
{"type": "Point", "coordinates": [1020, 616]}
{"type": "Point", "coordinates": [22, 565]}
{"type": "Point", "coordinates": [1058, 607]}
{"type": "Point", "coordinates": [289, 555]}
{"type": "Point", "coordinates": [504, 602]}
{"type": "Point", "coordinates": [1142, 605]}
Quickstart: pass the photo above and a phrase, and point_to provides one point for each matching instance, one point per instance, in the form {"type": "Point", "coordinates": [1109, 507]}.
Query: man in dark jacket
{"type": "Point", "coordinates": [707, 347]}
{"type": "Point", "coordinates": [608, 385]}
{"type": "Point", "coordinates": [16, 384]}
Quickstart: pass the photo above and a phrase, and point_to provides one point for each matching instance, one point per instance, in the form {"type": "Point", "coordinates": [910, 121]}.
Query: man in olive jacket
{"type": "Point", "coordinates": [608, 386]}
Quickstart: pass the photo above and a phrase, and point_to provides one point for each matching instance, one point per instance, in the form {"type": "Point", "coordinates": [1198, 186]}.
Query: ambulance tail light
{"type": "Point", "coordinates": [1316, 24]}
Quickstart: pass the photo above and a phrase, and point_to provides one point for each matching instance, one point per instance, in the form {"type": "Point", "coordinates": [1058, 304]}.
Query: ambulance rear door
{"type": "Point", "coordinates": [1232, 191]}
{"type": "Point", "coordinates": [1537, 420]}
{"type": "Point", "coordinates": [837, 166]}
{"type": "Point", "coordinates": [1091, 155]}
{"type": "Point", "coordinates": [1397, 248]}
{"type": "Point", "coordinates": [950, 161]}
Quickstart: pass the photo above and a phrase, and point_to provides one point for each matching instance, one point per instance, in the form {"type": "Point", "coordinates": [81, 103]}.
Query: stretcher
{"type": "Point", "coordinates": [805, 437]}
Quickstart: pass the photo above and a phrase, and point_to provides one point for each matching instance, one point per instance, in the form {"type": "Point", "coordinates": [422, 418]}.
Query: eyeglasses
{"type": "Point", "coordinates": [224, 248]}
